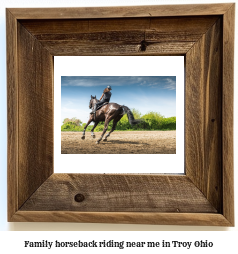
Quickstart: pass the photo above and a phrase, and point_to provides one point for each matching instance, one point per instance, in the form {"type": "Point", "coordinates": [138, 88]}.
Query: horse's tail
{"type": "Point", "coordinates": [130, 116]}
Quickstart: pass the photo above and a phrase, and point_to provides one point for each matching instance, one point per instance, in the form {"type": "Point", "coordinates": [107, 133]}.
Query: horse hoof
{"type": "Point", "coordinates": [104, 139]}
{"type": "Point", "coordinates": [83, 137]}
{"type": "Point", "coordinates": [93, 136]}
{"type": "Point", "coordinates": [98, 141]}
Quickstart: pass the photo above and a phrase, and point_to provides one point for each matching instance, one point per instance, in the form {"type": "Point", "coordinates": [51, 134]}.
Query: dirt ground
{"type": "Point", "coordinates": [120, 142]}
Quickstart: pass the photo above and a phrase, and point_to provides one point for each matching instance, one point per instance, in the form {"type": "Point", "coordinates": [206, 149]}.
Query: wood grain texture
{"type": "Point", "coordinates": [227, 113]}
{"type": "Point", "coordinates": [34, 36]}
{"type": "Point", "coordinates": [36, 114]}
{"type": "Point", "coordinates": [115, 193]}
{"type": "Point", "coordinates": [174, 36]}
{"type": "Point", "coordinates": [203, 119]}
{"type": "Point", "coordinates": [71, 48]}
{"type": "Point", "coordinates": [198, 219]}
{"type": "Point", "coordinates": [12, 114]}
{"type": "Point", "coordinates": [189, 26]}
{"type": "Point", "coordinates": [120, 12]}
{"type": "Point", "coordinates": [104, 193]}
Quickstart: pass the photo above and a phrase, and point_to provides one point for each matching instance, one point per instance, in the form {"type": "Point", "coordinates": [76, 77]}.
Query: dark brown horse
{"type": "Point", "coordinates": [108, 112]}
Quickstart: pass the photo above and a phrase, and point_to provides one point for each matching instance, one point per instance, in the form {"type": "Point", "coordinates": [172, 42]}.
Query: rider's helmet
{"type": "Point", "coordinates": [109, 87]}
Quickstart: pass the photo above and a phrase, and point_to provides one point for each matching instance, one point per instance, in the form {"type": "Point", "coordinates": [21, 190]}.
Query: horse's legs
{"type": "Point", "coordinates": [115, 121]}
{"type": "Point", "coordinates": [104, 130]}
{"type": "Point", "coordinates": [92, 133]}
{"type": "Point", "coordinates": [114, 115]}
{"type": "Point", "coordinates": [85, 127]}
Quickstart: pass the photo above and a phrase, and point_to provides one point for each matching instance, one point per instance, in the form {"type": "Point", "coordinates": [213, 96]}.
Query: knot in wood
{"type": "Point", "coordinates": [79, 198]}
{"type": "Point", "coordinates": [143, 45]}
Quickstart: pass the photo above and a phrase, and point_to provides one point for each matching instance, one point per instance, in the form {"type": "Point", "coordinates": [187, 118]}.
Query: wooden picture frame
{"type": "Point", "coordinates": [204, 34]}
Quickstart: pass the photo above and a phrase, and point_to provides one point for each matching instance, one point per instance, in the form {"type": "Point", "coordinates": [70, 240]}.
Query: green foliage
{"type": "Point", "coordinates": [74, 120]}
{"type": "Point", "coordinates": [136, 113]}
{"type": "Point", "coordinates": [100, 127]}
{"type": "Point", "coordinates": [158, 122]}
{"type": "Point", "coordinates": [123, 124]}
{"type": "Point", "coordinates": [150, 121]}
{"type": "Point", "coordinates": [72, 124]}
{"type": "Point", "coordinates": [153, 120]}
{"type": "Point", "coordinates": [169, 123]}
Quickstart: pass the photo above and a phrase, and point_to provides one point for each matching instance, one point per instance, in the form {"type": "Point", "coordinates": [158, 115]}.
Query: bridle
{"type": "Point", "coordinates": [91, 104]}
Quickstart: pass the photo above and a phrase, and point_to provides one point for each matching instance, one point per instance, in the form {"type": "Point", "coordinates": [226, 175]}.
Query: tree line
{"type": "Point", "coordinates": [150, 121]}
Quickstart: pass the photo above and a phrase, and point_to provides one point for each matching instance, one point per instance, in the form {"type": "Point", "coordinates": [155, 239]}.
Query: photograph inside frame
{"type": "Point", "coordinates": [145, 101]}
{"type": "Point", "coordinates": [118, 114]}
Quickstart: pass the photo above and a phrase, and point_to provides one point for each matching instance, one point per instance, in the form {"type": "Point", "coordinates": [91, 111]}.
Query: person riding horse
{"type": "Point", "coordinates": [109, 112]}
{"type": "Point", "coordinates": [105, 98]}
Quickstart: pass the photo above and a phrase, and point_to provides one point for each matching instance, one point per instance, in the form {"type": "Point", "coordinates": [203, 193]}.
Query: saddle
{"type": "Point", "coordinates": [94, 115]}
{"type": "Point", "coordinates": [101, 105]}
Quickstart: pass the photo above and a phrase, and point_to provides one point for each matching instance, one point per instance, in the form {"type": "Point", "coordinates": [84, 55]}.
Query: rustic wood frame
{"type": "Point", "coordinates": [204, 34]}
